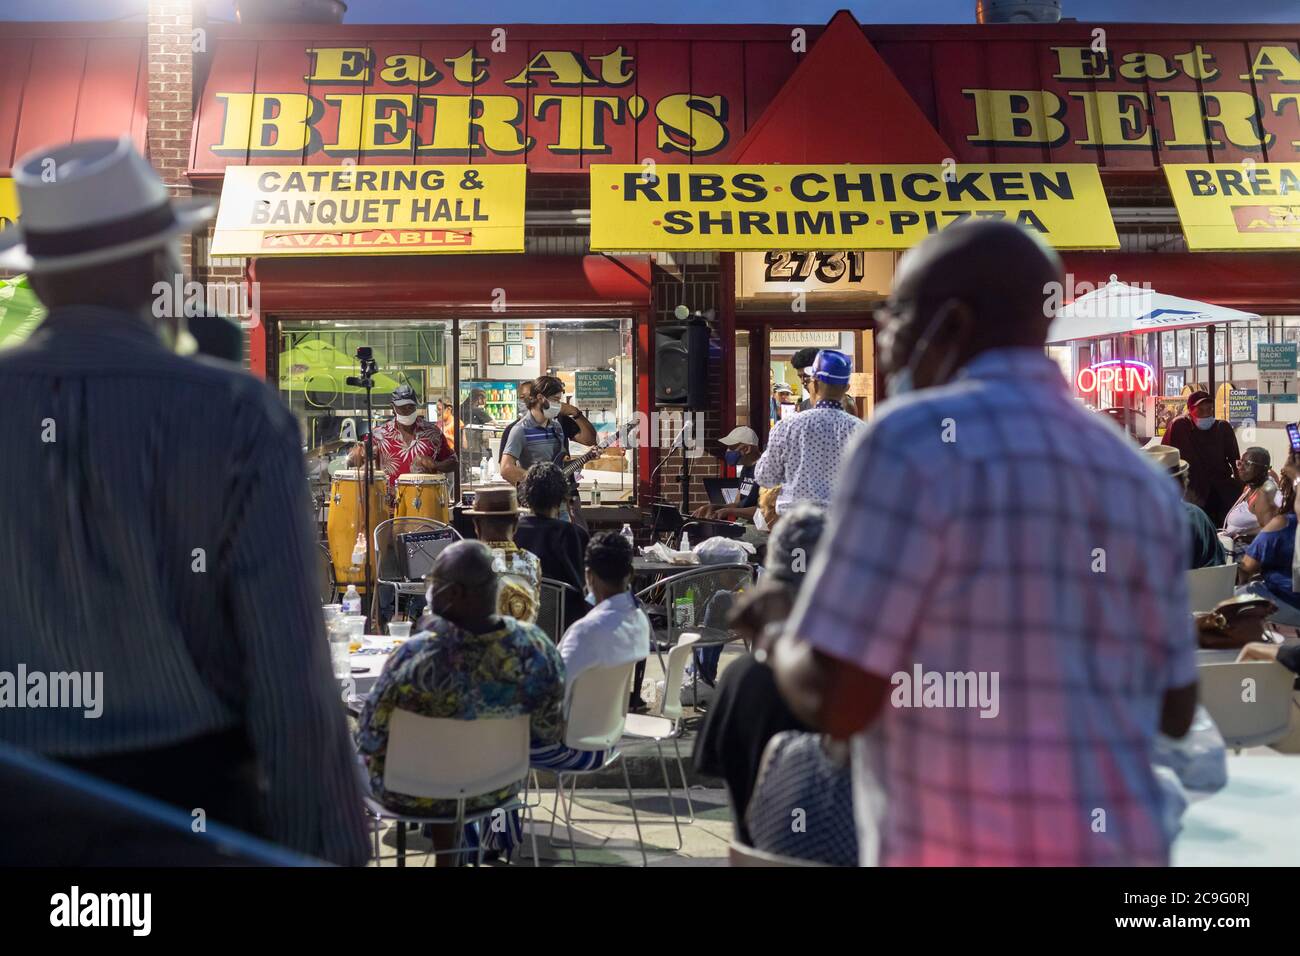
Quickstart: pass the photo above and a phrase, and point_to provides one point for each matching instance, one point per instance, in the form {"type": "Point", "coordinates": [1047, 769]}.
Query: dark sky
{"type": "Point", "coordinates": [696, 11]}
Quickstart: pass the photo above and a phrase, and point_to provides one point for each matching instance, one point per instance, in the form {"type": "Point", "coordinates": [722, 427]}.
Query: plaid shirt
{"type": "Point", "coordinates": [996, 525]}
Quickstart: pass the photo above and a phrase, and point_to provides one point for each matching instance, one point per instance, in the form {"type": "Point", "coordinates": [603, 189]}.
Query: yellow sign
{"type": "Point", "coordinates": [370, 210]}
{"type": "Point", "coordinates": [728, 208]}
{"type": "Point", "coordinates": [1245, 205]}
{"type": "Point", "coordinates": [8, 202]}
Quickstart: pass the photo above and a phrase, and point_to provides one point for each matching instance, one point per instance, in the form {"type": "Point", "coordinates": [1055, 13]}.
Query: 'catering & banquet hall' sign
{"type": "Point", "coordinates": [839, 207]}
{"type": "Point", "coordinates": [359, 210]}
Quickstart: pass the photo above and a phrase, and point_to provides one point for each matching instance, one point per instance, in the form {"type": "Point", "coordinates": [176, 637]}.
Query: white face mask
{"type": "Point", "coordinates": [552, 412]}
{"type": "Point", "coordinates": [407, 419]}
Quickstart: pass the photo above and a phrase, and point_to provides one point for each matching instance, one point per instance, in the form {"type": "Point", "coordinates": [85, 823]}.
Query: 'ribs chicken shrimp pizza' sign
{"type": "Point", "coordinates": [377, 210]}
{"type": "Point", "coordinates": [731, 208]}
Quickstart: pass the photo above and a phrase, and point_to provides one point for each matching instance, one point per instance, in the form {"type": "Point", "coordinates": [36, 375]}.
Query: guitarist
{"type": "Point", "coordinates": [543, 433]}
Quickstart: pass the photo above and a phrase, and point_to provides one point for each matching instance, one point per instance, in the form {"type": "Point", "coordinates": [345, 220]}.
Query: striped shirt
{"type": "Point", "coordinates": [994, 526]}
{"type": "Point", "coordinates": [155, 529]}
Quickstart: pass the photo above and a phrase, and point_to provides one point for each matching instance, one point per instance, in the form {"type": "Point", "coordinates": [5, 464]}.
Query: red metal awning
{"type": "Point", "coordinates": [1263, 282]}
{"type": "Point", "coordinates": [466, 284]}
{"type": "Point", "coordinates": [68, 81]}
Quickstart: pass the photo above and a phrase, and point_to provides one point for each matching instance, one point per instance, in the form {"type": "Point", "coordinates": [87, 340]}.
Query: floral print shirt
{"type": "Point", "coordinates": [449, 672]}
{"type": "Point", "coordinates": [397, 453]}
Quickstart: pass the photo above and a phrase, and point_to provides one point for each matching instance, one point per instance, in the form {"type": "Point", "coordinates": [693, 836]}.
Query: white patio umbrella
{"type": "Point", "coordinates": [1118, 309]}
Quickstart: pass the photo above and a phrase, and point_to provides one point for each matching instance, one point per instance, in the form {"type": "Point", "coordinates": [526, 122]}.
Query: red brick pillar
{"type": "Point", "coordinates": [172, 40]}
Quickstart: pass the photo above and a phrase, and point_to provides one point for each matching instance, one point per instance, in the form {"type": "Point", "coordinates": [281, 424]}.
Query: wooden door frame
{"type": "Point", "coordinates": [759, 325]}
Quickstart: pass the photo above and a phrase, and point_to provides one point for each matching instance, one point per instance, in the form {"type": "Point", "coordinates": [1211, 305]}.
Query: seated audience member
{"type": "Point", "coordinates": [1264, 569]}
{"type": "Point", "coordinates": [1206, 552]}
{"type": "Point", "coordinates": [558, 544]}
{"type": "Point", "coordinates": [1253, 470]}
{"type": "Point", "coordinates": [496, 516]}
{"type": "Point", "coordinates": [747, 711]}
{"type": "Point", "coordinates": [615, 631]}
{"type": "Point", "coordinates": [804, 776]}
{"type": "Point", "coordinates": [469, 663]}
{"type": "Point", "coordinates": [1288, 654]}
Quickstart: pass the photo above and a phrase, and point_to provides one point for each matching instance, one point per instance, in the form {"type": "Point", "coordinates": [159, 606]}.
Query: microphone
{"type": "Point", "coordinates": [688, 428]}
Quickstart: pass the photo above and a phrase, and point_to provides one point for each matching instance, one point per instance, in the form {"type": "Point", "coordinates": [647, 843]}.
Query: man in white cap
{"type": "Point", "coordinates": [743, 451]}
{"type": "Point", "coordinates": [154, 532]}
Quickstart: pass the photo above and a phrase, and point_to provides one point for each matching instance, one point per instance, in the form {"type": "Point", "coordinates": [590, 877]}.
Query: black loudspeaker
{"type": "Point", "coordinates": [682, 364]}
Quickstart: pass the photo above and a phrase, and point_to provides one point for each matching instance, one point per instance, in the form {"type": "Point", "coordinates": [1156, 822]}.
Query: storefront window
{"type": "Point", "coordinates": [592, 357]}
{"type": "Point", "coordinates": [317, 357]}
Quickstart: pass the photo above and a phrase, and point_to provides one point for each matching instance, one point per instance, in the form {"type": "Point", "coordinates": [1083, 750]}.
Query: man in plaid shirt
{"type": "Point", "coordinates": [990, 531]}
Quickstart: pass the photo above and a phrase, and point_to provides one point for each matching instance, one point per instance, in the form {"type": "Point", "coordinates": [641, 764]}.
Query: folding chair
{"type": "Point", "coordinates": [699, 584]}
{"type": "Point", "coordinates": [387, 541]}
{"type": "Point", "coordinates": [1260, 720]}
{"type": "Point", "coordinates": [551, 604]}
{"type": "Point", "coordinates": [595, 714]}
{"type": "Point", "coordinates": [457, 760]}
{"type": "Point", "coordinates": [1206, 587]}
{"type": "Point", "coordinates": [666, 724]}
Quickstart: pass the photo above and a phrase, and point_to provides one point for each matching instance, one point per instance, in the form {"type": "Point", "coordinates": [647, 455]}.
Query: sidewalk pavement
{"type": "Point", "coordinates": [605, 834]}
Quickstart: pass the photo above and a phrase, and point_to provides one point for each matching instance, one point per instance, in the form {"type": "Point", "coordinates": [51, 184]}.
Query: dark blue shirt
{"type": "Point", "coordinates": [155, 529]}
{"type": "Point", "coordinates": [1273, 551]}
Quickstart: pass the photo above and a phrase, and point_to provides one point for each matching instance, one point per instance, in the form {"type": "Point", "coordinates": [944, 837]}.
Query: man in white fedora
{"type": "Point", "coordinates": [154, 533]}
{"type": "Point", "coordinates": [1207, 551]}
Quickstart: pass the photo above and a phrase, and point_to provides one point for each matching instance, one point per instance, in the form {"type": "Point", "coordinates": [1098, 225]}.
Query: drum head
{"type": "Point", "coordinates": [411, 478]}
{"type": "Point", "coordinates": [357, 474]}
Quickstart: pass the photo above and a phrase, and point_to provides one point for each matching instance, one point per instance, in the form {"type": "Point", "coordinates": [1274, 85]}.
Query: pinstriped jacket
{"type": "Point", "coordinates": [154, 528]}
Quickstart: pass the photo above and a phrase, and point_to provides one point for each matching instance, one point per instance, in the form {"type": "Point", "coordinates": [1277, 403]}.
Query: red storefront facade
{"type": "Point", "coordinates": [561, 99]}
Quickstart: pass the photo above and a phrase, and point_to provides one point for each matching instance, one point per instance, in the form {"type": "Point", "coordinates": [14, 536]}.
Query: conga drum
{"type": "Point", "coordinates": [347, 520]}
{"type": "Point", "coordinates": [424, 496]}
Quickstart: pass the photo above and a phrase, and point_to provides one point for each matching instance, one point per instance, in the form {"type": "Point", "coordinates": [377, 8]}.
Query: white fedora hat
{"type": "Point", "coordinates": [1167, 459]}
{"type": "Point", "coordinates": [91, 202]}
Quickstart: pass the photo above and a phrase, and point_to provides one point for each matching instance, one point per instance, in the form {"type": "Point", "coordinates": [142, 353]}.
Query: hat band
{"type": "Point", "coordinates": [42, 244]}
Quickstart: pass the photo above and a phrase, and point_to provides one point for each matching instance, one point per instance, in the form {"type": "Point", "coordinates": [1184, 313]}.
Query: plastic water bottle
{"type": "Point", "coordinates": [686, 542]}
{"type": "Point", "coordinates": [630, 538]}
{"type": "Point", "coordinates": [352, 600]}
{"type": "Point", "coordinates": [484, 467]}
{"type": "Point", "coordinates": [595, 493]}
{"type": "Point", "coordinates": [359, 552]}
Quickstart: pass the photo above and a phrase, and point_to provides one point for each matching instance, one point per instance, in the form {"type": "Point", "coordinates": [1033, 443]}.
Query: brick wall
{"type": "Point", "coordinates": [171, 27]}
{"type": "Point", "coordinates": [697, 286]}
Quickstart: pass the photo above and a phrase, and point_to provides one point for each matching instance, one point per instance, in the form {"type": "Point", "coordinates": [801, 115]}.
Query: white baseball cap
{"type": "Point", "coordinates": [743, 435]}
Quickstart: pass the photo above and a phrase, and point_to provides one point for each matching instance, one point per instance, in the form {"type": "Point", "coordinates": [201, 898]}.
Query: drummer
{"type": "Point", "coordinates": [408, 444]}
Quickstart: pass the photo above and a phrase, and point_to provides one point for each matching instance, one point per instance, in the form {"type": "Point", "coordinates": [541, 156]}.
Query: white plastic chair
{"type": "Point", "coordinates": [1248, 723]}
{"type": "Point", "coordinates": [666, 724]}
{"type": "Point", "coordinates": [594, 717]}
{"type": "Point", "coordinates": [1206, 587]}
{"type": "Point", "coordinates": [445, 759]}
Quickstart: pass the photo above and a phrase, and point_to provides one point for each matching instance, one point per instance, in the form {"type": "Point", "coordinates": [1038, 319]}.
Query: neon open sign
{"type": "Point", "coordinates": [1126, 375]}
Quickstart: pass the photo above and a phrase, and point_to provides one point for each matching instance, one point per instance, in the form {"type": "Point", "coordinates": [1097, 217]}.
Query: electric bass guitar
{"type": "Point", "coordinates": [569, 467]}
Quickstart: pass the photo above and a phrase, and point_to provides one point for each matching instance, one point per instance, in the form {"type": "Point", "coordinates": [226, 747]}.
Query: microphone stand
{"type": "Point", "coordinates": [366, 380]}
{"type": "Point", "coordinates": [684, 472]}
